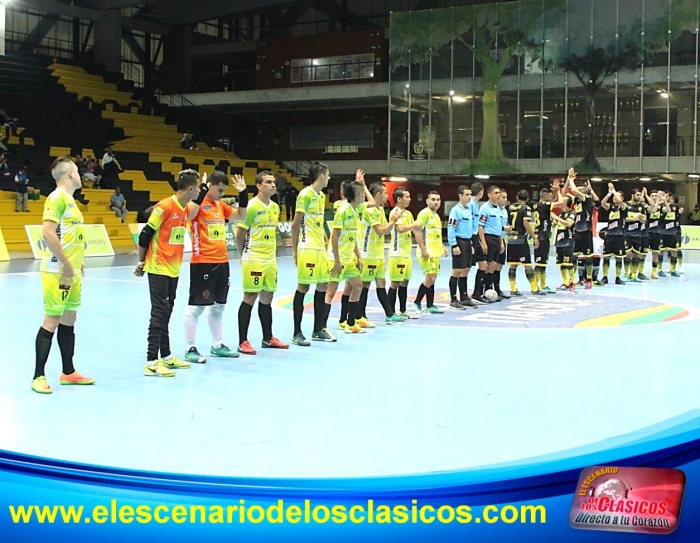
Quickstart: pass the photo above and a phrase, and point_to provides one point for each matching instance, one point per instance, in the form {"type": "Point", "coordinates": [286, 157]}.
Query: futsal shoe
{"type": "Point", "coordinates": [193, 355]}
{"type": "Point", "coordinates": [549, 290]}
{"type": "Point", "coordinates": [274, 343]}
{"type": "Point", "coordinates": [323, 335]}
{"type": "Point", "coordinates": [468, 302]}
{"type": "Point", "coordinates": [515, 293]}
{"type": "Point", "coordinates": [634, 280]}
{"type": "Point", "coordinates": [589, 284]}
{"type": "Point", "coordinates": [457, 305]}
{"type": "Point", "coordinates": [342, 325]}
{"type": "Point", "coordinates": [76, 378]}
{"type": "Point", "coordinates": [301, 340]}
{"type": "Point", "coordinates": [662, 274]}
{"type": "Point", "coordinates": [246, 348]}
{"type": "Point", "coordinates": [158, 369]}
{"type": "Point", "coordinates": [174, 363]}
{"type": "Point", "coordinates": [365, 323]}
{"type": "Point", "coordinates": [675, 274]}
{"type": "Point", "coordinates": [562, 287]}
{"type": "Point", "coordinates": [394, 319]}
{"type": "Point", "coordinates": [654, 275]}
{"type": "Point", "coordinates": [356, 329]}
{"type": "Point", "coordinates": [223, 352]}
{"type": "Point", "coordinates": [572, 287]}
{"type": "Point", "coordinates": [502, 295]}
{"type": "Point", "coordinates": [41, 386]}
{"type": "Point", "coordinates": [434, 310]}
{"type": "Point", "coordinates": [539, 293]}
{"type": "Point", "coordinates": [619, 281]}
{"type": "Point", "coordinates": [643, 277]}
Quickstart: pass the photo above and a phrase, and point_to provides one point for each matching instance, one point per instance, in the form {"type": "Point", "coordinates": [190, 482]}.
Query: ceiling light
{"type": "Point", "coordinates": [645, 178]}
{"type": "Point", "coordinates": [396, 179]}
{"type": "Point", "coordinates": [596, 179]}
{"type": "Point", "coordinates": [482, 176]}
{"type": "Point", "coordinates": [664, 94]}
{"type": "Point", "coordinates": [460, 99]}
{"type": "Point", "coordinates": [694, 176]}
{"type": "Point", "coordinates": [452, 93]}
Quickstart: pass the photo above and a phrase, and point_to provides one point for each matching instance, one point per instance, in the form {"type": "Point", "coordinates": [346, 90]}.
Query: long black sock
{"type": "Point", "coordinates": [479, 284]}
{"type": "Point", "coordinates": [66, 343]}
{"type": "Point", "coordinates": [392, 299]}
{"type": "Point", "coordinates": [497, 281]}
{"type": "Point", "coordinates": [362, 307]}
{"type": "Point", "coordinates": [265, 314]}
{"type": "Point", "coordinates": [244, 312]}
{"type": "Point", "coordinates": [326, 314]}
{"type": "Point", "coordinates": [298, 311]}
{"type": "Point", "coordinates": [403, 298]}
{"type": "Point", "coordinates": [344, 300]}
{"type": "Point", "coordinates": [384, 300]}
{"type": "Point", "coordinates": [453, 288]}
{"type": "Point", "coordinates": [462, 282]}
{"type": "Point", "coordinates": [430, 296]}
{"type": "Point", "coordinates": [488, 282]}
{"type": "Point", "coordinates": [352, 312]}
{"type": "Point", "coordinates": [319, 310]}
{"type": "Point", "coordinates": [43, 347]}
{"type": "Point", "coordinates": [422, 291]}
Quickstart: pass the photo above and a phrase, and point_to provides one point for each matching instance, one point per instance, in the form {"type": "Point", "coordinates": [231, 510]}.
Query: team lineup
{"type": "Point", "coordinates": [487, 234]}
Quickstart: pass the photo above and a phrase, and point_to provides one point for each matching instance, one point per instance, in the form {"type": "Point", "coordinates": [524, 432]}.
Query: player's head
{"type": "Point", "coordinates": [343, 186]}
{"type": "Point", "coordinates": [523, 196]}
{"type": "Point", "coordinates": [464, 194]}
{"type": "Point", "coordinates": [675, 199]}
{"type": "Point", "coordinates": [477, 190]}
{"type": "Point", "coordinates": [546, 195]}
{"type": "Point", "coordinates": [568, 201]}
{"type": "Point", "coordinates": [433, 200]}
{"type": "Point", "coordinates": [502, 198]}
{"type": "Point", "coordinates": [354, 192]}
{"type": "Point", "coordinates": [64, 171]}
{"type": "Point", "coordinates": [618, 198]}
{"type": "Point", "coordinates": [188, 184]}
{"type": "Point", "coordinates": [636, 195]}
{"type": "Point", "coordinates": [378, 192]}
{"type": "Point", "coordinates": [319, 174]}
{"type": "Point", "coordinates": [218, 185]}
{"type": "Point", "coordinates": [493, 193]}
{"type": "Point", "coordinates": [402, 198]}
{"type": "Point", "coordinates": [265, 183]}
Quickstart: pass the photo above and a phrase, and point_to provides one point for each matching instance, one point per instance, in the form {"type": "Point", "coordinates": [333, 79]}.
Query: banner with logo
{"type": "Point", "coordinates": [690, 238]}
{"type": "Point", "coordinates": [97, 241]}
{"type": "Point", "coordinates": [4, 255]}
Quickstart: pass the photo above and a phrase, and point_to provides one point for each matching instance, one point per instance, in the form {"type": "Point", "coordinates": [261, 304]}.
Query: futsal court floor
{"type": "Point", "coordinates": [514, 382]}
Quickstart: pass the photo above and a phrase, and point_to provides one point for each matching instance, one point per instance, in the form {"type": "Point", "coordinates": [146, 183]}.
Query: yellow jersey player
{"type": "Point", "coordinates": [161, 248]}
{"type": "Point", "coordinates": [61, 271]}
{"type": "Point", "coordinates": [400, 258]}
{"type": "Point", "coordinates": [346, 263]}
{"type": "Point", "coordinates": [429, 251]}
{"type": "Point", "coordinates": [256, 237]}
{"type": "Point", "coordinates": [309, 251]}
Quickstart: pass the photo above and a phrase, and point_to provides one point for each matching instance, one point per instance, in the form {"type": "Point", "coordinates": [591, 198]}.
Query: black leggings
{"type": "Point", "coordinates": [162, 289]}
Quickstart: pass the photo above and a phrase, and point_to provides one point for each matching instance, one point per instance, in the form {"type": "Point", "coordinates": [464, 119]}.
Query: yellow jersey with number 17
{"type": "Point", "coordinates": [313, 205]}
{"type": "Point", "coordinates": [431, 230]}
{"type": "Point", "coordinates": [60, 207]}
{"type": "Point", "coordinates": [261, 223]}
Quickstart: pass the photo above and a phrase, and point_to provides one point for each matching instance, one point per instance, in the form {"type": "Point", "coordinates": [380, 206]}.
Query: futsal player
{"type": "Point", "coordinates": [429, 251]}
{"type": "Point", "coordinates": [520, 219]}
{"type": "Point", "coordinates": [614, 245]}
{"type": "Point", "coordinates": [564, 243]}
{"type": "Point", "coordinates": [61, 267]}
{"type": "Point", "coordinates": [256, 239]}
{"type": "Point", "coordinates": [550, 199]}
{"type": "Point", "coordinates": [346, 263]}
{"type": "Point", "coordinates": [372, 227]}
{"type": "Point", "coordinates": [400, 259]}
{"type": "Point", "coordinates": [309, 251]}
{"type": "Point", "coordinates": [161, 247]}
{"type": "Point", "coordinates": [490, 240]}
{"type": "Point", "coordinates": [634, 219]}
{"type": "Point", "coordinates": [583, 226]}
{"type": "Point", "coordinates": [647, 207]}
{"type": "Point", "coordinates": [655, 231]}
{"type": "Point", "coordinates": [460, 227]}
{"type": "Point", "coordinates": [669, 236]}
{"type": "Point", "coordinates": [209, 268]}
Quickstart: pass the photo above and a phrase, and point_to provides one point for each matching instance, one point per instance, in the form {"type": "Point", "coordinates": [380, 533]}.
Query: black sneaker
{"type": "Point", "coordinates": [503, 295]}
{"type": "Point", "coordinates": [619, 281]}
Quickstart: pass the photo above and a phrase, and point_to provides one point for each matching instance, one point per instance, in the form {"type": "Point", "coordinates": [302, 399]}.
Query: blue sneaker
{"type": "Point", "coordinates": [662, 274]}
{"type": "Point", "coordinates": [675, 274]}
{"type": "Point", "coordinates": [394, 319]}
{"type": "Point", "coordinates": [223, 352]}
{"type": "Point", "coordinates": [434, 310]}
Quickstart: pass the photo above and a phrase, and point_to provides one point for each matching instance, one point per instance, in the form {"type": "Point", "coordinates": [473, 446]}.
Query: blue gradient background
{"type": "Point", "coordinates": [548, 481]}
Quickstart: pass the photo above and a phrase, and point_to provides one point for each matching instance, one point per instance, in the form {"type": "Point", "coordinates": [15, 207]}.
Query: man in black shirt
{"type": "Point", "coordinates": [519, 219]}
{"type": "Point", "coordinates": [615, 234]}
{"type": "Point", "coordinates": [585, 197]}
{"type": "Point", "coordinates": [564, 242]}
{"type": "Point", "coordinates": [634, 219]}
{"type": "Point", "coordinates": [550, 198]}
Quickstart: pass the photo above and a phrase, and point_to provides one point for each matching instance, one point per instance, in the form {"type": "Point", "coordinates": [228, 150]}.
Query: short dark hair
{"type": "Point", "coordinates": [187, 179]}
{"type": "Point", "coordinates": [343, 186]}
{"type": "Point", "coordinates": [492, 189]}
{"type": "Point", "coordinates": [316, 170]}
{"type": "Point", "coordinates": [260, 175]}
{"type": "Point", "coordinates": [636, 191]}
{"type": "Point", "coordinates": [523, 195]}
{"type": "Point", "coordinates": [477, 187]}
{"type": "Point", "coordinates": [546, 190]}
{"type": "Point", "coordinates": [349, 190]}
{"type": "Point", "coordinates": [399, 192]}
{"type": "Point", "coordinates": [375, 188]}
{"type": "Point", "coordinates": [58, 168]}
{"type": "Point", "coordinates": [436, 193]}
{"type": "Point", "coordinates": [218, 178]}
{"type": "Point", "coordinates": [461, 189]}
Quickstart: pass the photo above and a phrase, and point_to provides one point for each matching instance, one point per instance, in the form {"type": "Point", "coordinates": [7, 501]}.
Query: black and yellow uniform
{"type": "Point", "coordinates": [583, 225]}
{"type": "Point", "coordinates": [645, 230]}
{"type": "Point", "coordinates": [564, 241]}
{"type": "Point", "coordinates": [669, 238]}
{"type": "Point", "coordinates": [633, 228]}
{"type": "Point", "coordinates": [543, 231]}
{"type": "Point", "coordinates": [615, 234]}
{"type": "Point", "coordinates": [518, 247]}
{"type": "Point", "coordinates": [654, 229]}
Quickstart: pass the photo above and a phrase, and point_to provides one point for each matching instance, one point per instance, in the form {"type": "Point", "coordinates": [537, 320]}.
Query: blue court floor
{"type": "Point", "coordinates": [504, 383]}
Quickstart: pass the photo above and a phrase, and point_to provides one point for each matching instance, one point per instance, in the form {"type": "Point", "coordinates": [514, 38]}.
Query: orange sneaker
{"type": "Point", "coordinates": [274, 343]}
{"type": "Point", "coordinates": [246, 348]}
{"type": "Point", "coordinates": [76, 378]}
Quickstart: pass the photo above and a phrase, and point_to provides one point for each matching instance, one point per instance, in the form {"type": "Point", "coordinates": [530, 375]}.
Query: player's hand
{"type": "Point", "coordinates": [238, 182]}
{"type": "Point", "coordinates": [204, 177]}
{"type": "Point", "coordinates": [396, 215]}
{"type": "Point", "coordinates": [503, 248]}
{"type": "Point", "coordinates": [508, 229]}
{"type": "Point", "coordinates": [642, 217]}
{"type": "Point", "coordinates": [572, 174]}
{"type": "Point", "coordinates": [484, 247]}
{"type": "Point", "coordinates": [611, 188]}
{"type": "Point", "coordinates": [138, 270]}
{"type": "Point", "coordinates": [337, 268]}
{"type": "Point", "coordinates": [359, 263]}
{"type": "Point", "coordinates": [536, 243]}
{"type": "Point", "coordinates": [456, 250]}
{"type": "Point", "coordinates": [424, 254]}
{"type": "Point", "coordinates": [67, 276]}
{"type": "Point", "coordinates": [473, 250]}
{"type": "Point", "coordinates": [444, 251]}
{"type": "Point", "coordinates": [556, 184]}
{"type": "Point", "coordinates": [294, 255]}
{"type": "Point", "coordinates": [360, 176]}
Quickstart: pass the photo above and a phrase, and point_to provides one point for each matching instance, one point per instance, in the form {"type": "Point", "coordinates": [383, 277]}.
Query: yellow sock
{"type": "Point", "coordinates": [511, 280]}
{"type": "Point", "coordinates": [543, 277]}
{"type": "Point", "coordinates": [673, 265]}
{"type": "Point", "coordinates": [589, 271]}
{"type": "Point", "coordinates": [533, 281]}
{"type": "Point", "coordinates": [564, 274]}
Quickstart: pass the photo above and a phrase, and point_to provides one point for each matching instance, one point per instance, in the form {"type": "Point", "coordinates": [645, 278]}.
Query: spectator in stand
{"type": "Point", "coordinates": [4, 167]}
{"type": "Point", "coordinates": [290, 201]}
{"type": "Point", "coordinates": [90, 173]}
{"type": "Point", "coordinates": [117, 203]}
{"type": "Point", "coordinates": [22, 188]}
{"type": "Point", "coordinates": [188, 142]}
{"type": "Point", "coordinates": [110, 166]}
{"type": "Point", "coordinates": [695, 215]}
{"type": "Point", "coordinates": [9, 122]}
